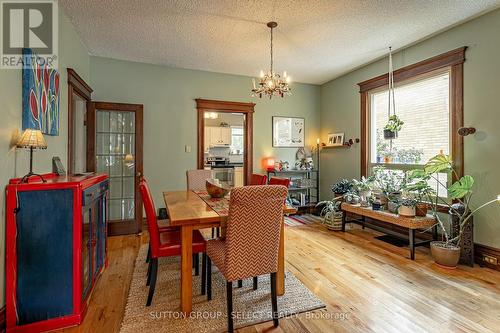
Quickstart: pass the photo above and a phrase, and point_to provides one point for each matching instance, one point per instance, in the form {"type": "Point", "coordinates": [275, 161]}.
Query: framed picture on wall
{"type": "Point", "coordinates": [288, 132]}
{"type": "Point", "coordinates": [335, 139]}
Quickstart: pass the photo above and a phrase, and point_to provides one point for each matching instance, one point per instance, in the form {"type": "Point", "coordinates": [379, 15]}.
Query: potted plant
{"type": "Point", "coordinates": [418, 185]}
{"type": "Point", "coordinates": [389, 182]}
{"type": "Point", "coordinates": [407, 207]}
{"type": "Point", "coordinates": [363, 187]}
{"type": "Point", "coordinates": [392, 127]}
{"type": "Point", "coordinates": [446, 253]}
{"type": "Point", "coordinates": [331, 213]}
{"type": "Point", "coordinates": [341, 188]}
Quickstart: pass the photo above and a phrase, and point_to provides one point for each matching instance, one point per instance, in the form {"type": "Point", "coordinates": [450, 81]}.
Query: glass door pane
{"type": "Point", "coordinates": [115, 156]}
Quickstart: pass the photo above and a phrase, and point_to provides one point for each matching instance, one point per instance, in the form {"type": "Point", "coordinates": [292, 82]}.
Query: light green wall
{"type": "Point", "coordinates": [15, 163]}
{"type": "Point", "coordinates": [168, 95]}
{"type": "Point", "coordinates": [340, 111]}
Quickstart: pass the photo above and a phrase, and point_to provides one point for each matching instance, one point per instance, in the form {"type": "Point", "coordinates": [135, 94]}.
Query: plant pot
{"type": "Point", "coordinates": [333, 221]}
{"type": "Point", "coordinates": [364, 195]}
{"type": "Point", "coordinates": [387, 159]}
{"type": "Point", "coordinates": [383, 202]}
{"type": "Point", "coordinates": [408, 211]}
{"type": "Point", "coordinates": [392, 207]}
{"type": "Point", "coordinates": [421, 209]}
{"type": "Point", "coordinates": [445, 255]}
{"type": "Point", "coordinates": [341, 195]}
{"type": "Point", "coordinates": [376, 205]}
{"type": "Point", "coordinates": [388, 134]}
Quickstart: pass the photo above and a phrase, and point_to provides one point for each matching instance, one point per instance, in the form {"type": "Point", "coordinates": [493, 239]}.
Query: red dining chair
{"type": "Point", "coordinates": [166, 243]}
{"type": "Point", "coordinates": [254, 224]}
{"type": "Point", "coordinates": [258, 179]}
{"type": "Point", "coordinates": [279, 181]}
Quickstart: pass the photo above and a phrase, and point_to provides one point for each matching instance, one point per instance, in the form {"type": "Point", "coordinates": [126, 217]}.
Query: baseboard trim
{"type": "Point", "coordinates": [2, 319]}
{"type": "Point", "coordinates": [481, 250]}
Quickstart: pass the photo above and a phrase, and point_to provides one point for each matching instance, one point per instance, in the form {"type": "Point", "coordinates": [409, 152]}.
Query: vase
{"type": "Point", "coordinates": [444, 255]}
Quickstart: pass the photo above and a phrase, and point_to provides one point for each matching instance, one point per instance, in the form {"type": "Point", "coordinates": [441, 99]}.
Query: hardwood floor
{"type": "Point", "coordinates": [367, 285]}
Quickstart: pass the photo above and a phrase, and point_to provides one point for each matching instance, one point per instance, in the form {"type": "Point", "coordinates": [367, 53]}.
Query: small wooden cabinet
{"type": "Point", "coordinates": [217, 136]}
{"type": "Point", "coordinates": [56, 249]}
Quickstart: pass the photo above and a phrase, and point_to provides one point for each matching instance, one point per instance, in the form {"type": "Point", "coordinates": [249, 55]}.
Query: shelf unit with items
{"type": "Point", "coordinates": [304, 187]}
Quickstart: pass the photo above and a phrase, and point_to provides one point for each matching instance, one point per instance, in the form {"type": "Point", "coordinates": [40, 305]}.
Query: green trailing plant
{"type": "Point", "coordinates": [408, 202]}
{"type": "Point", "coordinates": [394, 124]}
{"type": "Point", "coordinates": [460, 191]}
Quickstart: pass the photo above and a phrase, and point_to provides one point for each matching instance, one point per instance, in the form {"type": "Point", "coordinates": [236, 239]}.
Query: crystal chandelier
{"type": "Point", "coordinates": [271, 83]}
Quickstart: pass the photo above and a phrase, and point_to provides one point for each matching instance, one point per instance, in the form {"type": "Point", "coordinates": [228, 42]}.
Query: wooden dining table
{"type": "Point", "coordinates": [189, 211]}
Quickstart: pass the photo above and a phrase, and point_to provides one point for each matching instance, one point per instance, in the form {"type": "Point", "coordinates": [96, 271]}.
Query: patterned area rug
{"type": "Point", "coordinates": [251, 307]}
{"type": "Point", "coordinates": [298, 220]}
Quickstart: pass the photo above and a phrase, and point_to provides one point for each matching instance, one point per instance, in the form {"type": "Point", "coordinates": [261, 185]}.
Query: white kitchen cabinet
{"type": "Point", "coordinates": [208, 132]}
{"type": "Point", "coordinates": [238, 176]}
{"type": "Point", "coordinates": [219, 136]}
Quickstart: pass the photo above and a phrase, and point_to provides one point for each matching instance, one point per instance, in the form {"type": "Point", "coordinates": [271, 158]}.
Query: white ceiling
{"type": "Point", "coordinates": [315, 41]}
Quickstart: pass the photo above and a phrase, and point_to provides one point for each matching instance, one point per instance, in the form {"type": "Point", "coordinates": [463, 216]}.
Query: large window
{"type": "Point", "coordinates": [424, 106]}
{"type": "Point", "coordinates": [237, 141]}
{"type": "Point", "coordinates": [429, 99]}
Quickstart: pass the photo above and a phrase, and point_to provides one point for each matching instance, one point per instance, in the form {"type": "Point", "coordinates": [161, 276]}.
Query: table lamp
{"type": "Point", "coordinates": [32, 139]}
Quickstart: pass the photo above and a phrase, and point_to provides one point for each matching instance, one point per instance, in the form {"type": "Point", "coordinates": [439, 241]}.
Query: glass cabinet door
{"type": "Point", "coordinates": [115, 156]}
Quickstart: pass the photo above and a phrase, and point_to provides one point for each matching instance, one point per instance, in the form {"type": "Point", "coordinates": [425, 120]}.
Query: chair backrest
{"type": "Point", "coordinates": [196, 179]}
{"type": "Point", "coordinates": [149, 207]}
{"type": "Point", "coordinates": [258, 179]}
{"type": "Point", "coordinates": [253, 230]}
{"type": "Point", "coordinates": [279, 181]}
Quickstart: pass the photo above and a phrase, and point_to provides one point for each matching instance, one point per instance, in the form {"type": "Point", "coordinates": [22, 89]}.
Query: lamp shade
{"type": "Point", "coordinates": [32, 138]}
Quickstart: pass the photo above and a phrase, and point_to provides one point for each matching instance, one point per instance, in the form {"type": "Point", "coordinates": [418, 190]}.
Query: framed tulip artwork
{"type": "Point", "coordinates": [40, 94]}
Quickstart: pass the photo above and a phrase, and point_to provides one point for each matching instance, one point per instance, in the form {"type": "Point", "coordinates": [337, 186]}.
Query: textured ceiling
{"type": "Point", "coordinates": [315, 41]}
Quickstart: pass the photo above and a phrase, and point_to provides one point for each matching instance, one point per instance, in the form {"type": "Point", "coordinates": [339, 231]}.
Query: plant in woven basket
{"type": "Point", "coordinates": [331, 213]}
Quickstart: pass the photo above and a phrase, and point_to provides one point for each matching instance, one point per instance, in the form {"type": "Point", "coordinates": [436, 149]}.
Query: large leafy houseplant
{"type": "Point", "coordinates": [331, 213]}
{"type": "Point", "coordinates": [459, 191]}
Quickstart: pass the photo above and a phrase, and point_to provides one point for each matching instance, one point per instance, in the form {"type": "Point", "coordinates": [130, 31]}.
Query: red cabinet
{"type": "Point", "coordinates": [55, 251]}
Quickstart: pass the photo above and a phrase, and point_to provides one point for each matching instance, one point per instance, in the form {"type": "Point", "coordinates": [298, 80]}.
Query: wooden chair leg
{"type": "Point", "coordinates": [196, 263]}
{"type": "Point", "coordinates": [149, 273]}
{"type": "Point", "coordinates": [209, 278]}
{"type": "Point", "coordinates": [203, 273]}
{"type": "Point", "coordinates": [274, 300]}
{"type": "Point", "coordinates": [213, 232]}
{"type": "Point", "coordinates": [154, 271]}
{"type": "Point", "coordinates": [229, 300]}
{"type": "Point", "coordinates": [255, 282]}
{"type": "Point", "coordinates": [240, 283]}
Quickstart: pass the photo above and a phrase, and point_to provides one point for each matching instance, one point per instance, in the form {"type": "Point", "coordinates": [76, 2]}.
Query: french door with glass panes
{"type": "Point", "coordinates": [115, 148]}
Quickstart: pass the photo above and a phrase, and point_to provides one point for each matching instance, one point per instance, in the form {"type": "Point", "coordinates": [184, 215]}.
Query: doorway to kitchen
{"type": "Point", "coordinates": [225, 139]}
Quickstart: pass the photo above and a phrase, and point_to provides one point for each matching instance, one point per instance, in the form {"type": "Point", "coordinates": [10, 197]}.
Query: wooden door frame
{"type": "Point", "coordinates": [207, 105]}
{"type": "Point", "coordinates": [122, 227]}
{"type": "Point", "coordinates": [79, 87]}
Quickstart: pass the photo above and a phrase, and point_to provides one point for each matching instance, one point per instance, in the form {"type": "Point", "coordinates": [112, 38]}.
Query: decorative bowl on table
{"type": "Point", "coordinates": [216, 190]}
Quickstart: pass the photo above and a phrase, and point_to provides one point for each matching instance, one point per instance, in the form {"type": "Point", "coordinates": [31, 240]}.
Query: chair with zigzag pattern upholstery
{"type": "Point", "coordinates": [251, 246]}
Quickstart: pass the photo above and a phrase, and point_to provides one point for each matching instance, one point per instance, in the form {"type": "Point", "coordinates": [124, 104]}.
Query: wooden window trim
{"type": "Point", "coordinates": [207, 105]}
{"type": "Point", "coordinates": [454, 60]}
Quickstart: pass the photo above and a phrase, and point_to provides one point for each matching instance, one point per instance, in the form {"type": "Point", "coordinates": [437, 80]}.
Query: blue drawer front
{"type": "Point", "coordinates": [44, 255]}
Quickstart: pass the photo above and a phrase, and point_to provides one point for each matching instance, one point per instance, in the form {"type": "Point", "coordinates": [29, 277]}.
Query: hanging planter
{"type": "Point", "coordinates": [392, 127]}
{"type": "Point", "coordinates": [394, 124]}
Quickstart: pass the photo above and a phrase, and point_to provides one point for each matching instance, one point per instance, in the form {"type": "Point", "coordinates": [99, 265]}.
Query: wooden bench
{"type": "Point", "coordinates": [411, 223]}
